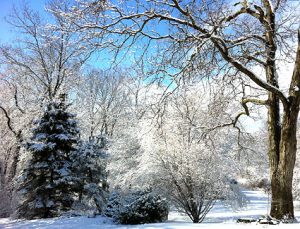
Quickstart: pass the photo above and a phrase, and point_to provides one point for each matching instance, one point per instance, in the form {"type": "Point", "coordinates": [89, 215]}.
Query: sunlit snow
{"type": "Point", "coordinates": [220, 217]}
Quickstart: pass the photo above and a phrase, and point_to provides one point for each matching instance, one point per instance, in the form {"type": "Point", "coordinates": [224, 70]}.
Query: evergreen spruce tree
{"type": "Point", "coordinates": [47, 182]}
{"type": "Point", "coordinates": [89, 163]}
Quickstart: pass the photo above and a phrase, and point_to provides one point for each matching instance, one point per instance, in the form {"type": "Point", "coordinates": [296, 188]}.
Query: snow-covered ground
{"type": "Point", "coordinates": [219, 217]}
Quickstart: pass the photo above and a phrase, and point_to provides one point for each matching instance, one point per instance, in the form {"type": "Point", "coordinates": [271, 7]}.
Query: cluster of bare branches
{"type": "Point", "coordinates": [194, 38]}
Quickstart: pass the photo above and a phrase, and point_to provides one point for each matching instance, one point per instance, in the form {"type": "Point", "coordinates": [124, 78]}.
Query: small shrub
{"type": "Point", "coordinates": [263, 183]}
{"type": "Point", "coordinates": [138, 208]}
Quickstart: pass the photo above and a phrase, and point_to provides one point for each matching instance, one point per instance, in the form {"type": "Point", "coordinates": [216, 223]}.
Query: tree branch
{"type": "Point", "coordinates": [9, 123]}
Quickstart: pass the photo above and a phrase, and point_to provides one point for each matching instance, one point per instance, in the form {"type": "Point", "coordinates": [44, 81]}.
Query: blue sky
{"type": "Point", "coordinates": [7, 34]}
{"type": "Point", "coordinates": [5, 8]}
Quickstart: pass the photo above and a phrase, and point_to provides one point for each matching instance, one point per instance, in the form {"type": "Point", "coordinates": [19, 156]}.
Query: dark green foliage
{"type": "Point", "coordinates": [90, 169]}
{"type": "Point", "coordinates": [46, 183]}
{"type": "Point", "coordinates": [114, 205]}
{"type": "Point", "coordinates": [138, 208]}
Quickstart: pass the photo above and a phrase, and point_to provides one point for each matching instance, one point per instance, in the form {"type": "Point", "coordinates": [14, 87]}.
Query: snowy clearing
{"type": "Point", "coordinates": [219, 217]}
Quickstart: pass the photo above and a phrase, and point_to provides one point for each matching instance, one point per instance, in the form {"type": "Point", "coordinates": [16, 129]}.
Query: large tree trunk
{"type": "Point", "coordinates": [282, 167]}
{"type": "Point", "coordinates": [282, 158]}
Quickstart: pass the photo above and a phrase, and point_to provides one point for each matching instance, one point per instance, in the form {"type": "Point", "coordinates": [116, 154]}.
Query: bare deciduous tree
{"type": "Point", "coordinates": [192, 166]}
{"type": "Point", "coordinates": [101, 101]}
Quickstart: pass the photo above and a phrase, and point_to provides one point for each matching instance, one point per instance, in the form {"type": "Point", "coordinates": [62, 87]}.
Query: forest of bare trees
{"type": "Point", "coordinates": [176, 96]}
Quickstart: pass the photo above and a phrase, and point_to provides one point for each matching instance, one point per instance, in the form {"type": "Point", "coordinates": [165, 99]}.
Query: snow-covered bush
{"type": "Point", "coordinates": [114, 205]}
{"type": "Point", "coordinates": [191, 188]}
{"type": "Point", "coordinates": [259, 183]}
{"type": "Point", "coordinates": [138, 207]}
{"type": "Point", "coordinates": [190, 159]}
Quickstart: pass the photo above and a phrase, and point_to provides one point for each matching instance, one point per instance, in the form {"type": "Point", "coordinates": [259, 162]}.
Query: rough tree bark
{"type": "Point", "coordinates": [283, 146]}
